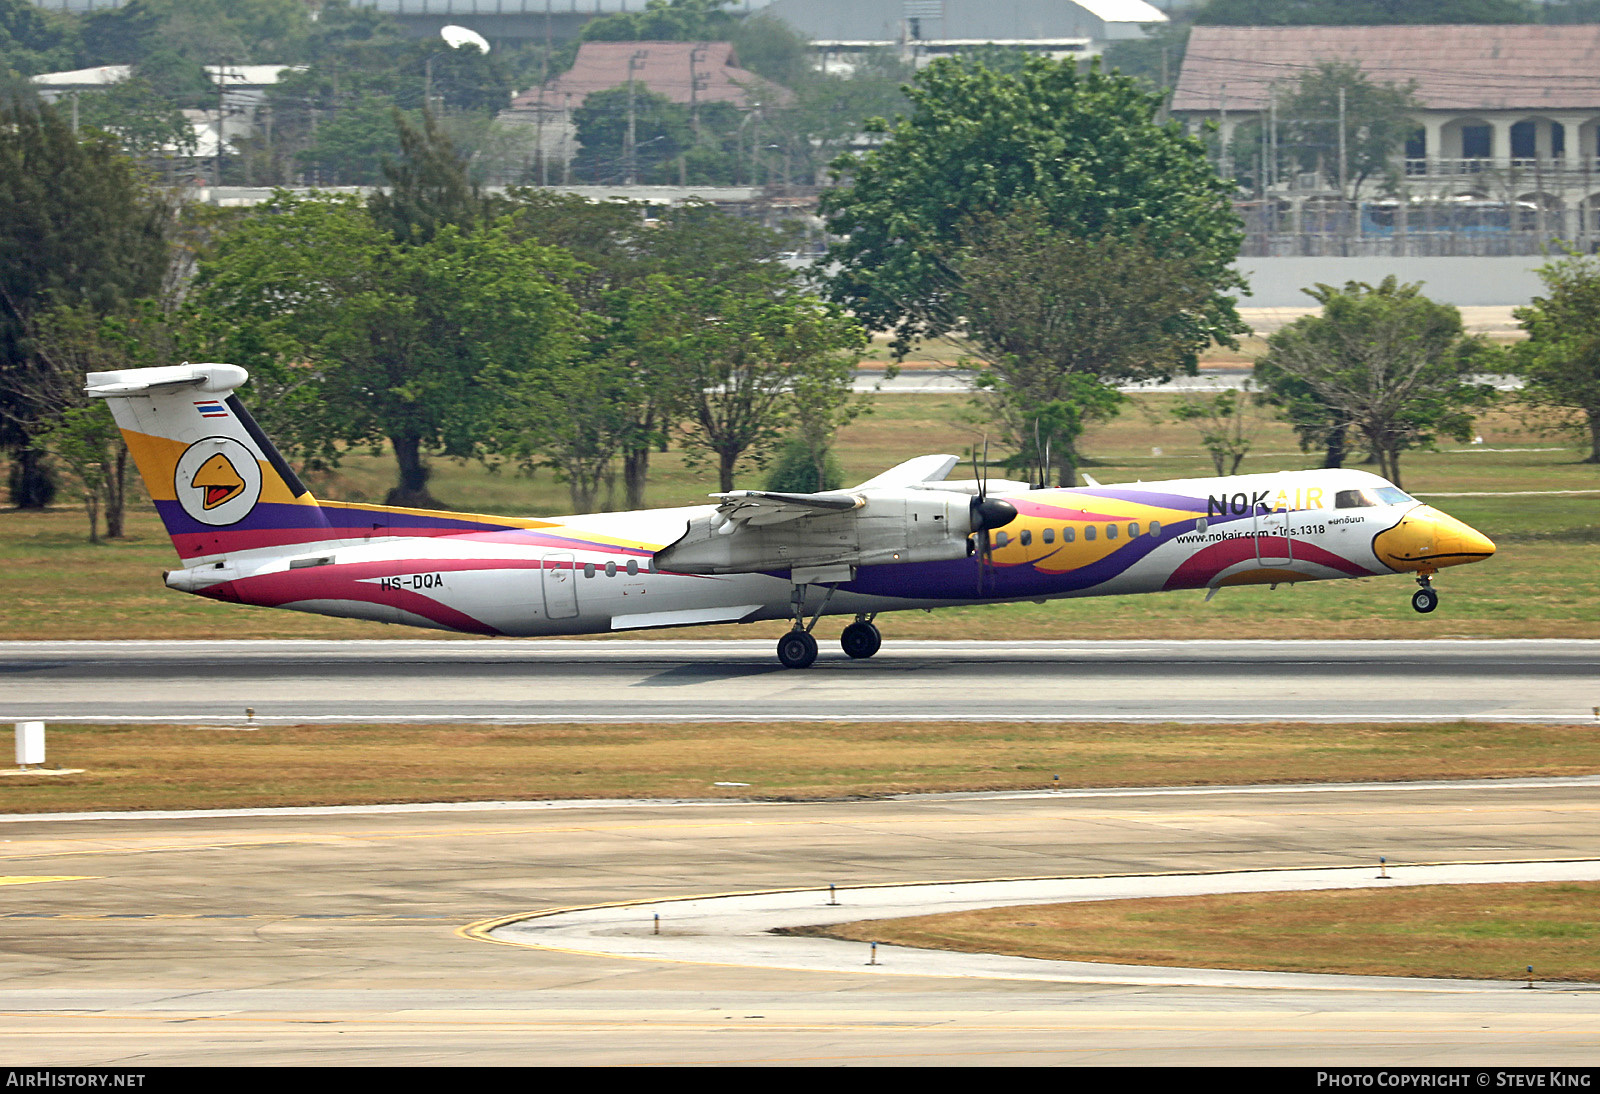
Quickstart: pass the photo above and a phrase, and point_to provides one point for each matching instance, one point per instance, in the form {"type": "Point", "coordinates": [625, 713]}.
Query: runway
{"type": "Point", "coordinates": [525, 681]}
{"type": "Point", "coordinates": [331, 937]}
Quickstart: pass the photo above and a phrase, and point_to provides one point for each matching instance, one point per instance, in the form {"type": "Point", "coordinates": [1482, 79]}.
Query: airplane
{"type": "Point", "coordinates": [248, 531]}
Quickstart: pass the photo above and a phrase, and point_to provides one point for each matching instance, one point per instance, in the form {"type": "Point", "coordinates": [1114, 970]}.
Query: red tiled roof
{"type": "Point", "coordinates": [664, 68]}
{"type": "Point", "coordinates": [1455, 67]}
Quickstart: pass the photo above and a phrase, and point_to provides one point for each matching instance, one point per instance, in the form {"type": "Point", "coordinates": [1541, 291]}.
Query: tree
{"type": "Point", "coordinates": [661, 132]}
{"type": "Point", "coordinates": [1560, 361]}
{"type": "Point", "coordinates": [78, 226]}
{"type": "Point", "coordinates": [740, 353]}
{"type": "Point", "coordinates": [356, 338]}
{"type": "Point", "coordinates": [73, 341]}
{"type": "Point", "coordinates": [1082, 147]}
{"type": "Point", "coordinates": [1378, 119]}
{"type": "Point", "coordinates": [428, 186]}
{"type": "Point", "coordinates": [1285, 13]}
{"type": "Point", "coordinates": [1385, 362]}
{"type": "Point", "coordinates": [1054, 322]}
{"type": "Point", "coordinates": [1227, 429]}
{"type": "Point", "coordinates": [664, 21]}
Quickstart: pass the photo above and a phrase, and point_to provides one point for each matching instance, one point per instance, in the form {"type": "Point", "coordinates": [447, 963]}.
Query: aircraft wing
{"type": "Point", "coordinates": [762, 507]}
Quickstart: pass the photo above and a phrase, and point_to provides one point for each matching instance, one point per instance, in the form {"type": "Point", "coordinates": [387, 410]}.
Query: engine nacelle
{"type": "Point", "coordinates": [888, 527]}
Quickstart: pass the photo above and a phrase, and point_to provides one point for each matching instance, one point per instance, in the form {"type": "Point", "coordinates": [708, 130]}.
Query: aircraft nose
{"type": "Point", "coordinates": [1428, 539]}
{"type": "Point", "coordinates": [1454, 537]}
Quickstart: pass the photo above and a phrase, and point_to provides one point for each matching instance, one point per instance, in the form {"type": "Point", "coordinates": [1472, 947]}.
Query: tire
{"type": "Point", "coordinates": [861, 639]}
{"type": "Point", "coordinates": [1425, 600]}
{"type": "Point", "coordinates": [797, 650]}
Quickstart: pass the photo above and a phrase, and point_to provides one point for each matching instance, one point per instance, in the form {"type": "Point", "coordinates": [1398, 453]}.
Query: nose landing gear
{"type": "Point", "coordinates": [1426, 598]}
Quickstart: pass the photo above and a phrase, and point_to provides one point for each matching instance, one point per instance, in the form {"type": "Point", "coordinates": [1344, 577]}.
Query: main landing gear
{"type": "Point", "coordinates": [861, 638]}
{"type": "Point", "coordinates": [798, 649]}
{"type": "Point", "coordinates": [1426, 598]}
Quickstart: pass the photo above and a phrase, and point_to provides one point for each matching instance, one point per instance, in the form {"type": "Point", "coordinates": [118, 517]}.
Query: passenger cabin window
{"type": "Point", "coordinates": [588, 569]}
{"type": "Point", "coordinates": [1111, 531]}
{"type": "Point", "coordinates": [1133, 531]}
{"type": "Point", "coordinates": [611, 569]}
{"type": "Point", "coordinates": [1001, 539]}
{"type": "Point", "coordinates": [1049, 535]}
{"type": "Point", "coordinates": [633, 566]}
{"type": "Point", "coordinates": [1027, 537]}
{"type": "Point", "coordinates": [1155, 529]}
{"type": "Point", "coordinates": [1088, 531]}
{"type": "Point", "coordinates": [1068, 535]}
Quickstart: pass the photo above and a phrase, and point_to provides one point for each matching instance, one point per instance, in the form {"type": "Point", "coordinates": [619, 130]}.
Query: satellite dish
{"type": "Point", "coordinates": [456, 37]}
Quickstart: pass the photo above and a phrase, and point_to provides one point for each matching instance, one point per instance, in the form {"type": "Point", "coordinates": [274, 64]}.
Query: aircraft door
{"type": "Point", "coordinates": [560, 586]}
{"type": "Point", "coordinates": [1274, 539]}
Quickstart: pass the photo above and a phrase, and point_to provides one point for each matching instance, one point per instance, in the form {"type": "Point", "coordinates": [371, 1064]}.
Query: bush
{"type": "Point", "coordinates": [795, 471]}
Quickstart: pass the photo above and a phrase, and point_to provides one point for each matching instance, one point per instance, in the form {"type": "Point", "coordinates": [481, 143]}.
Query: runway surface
{"type": "Point", "coordinates": [667, 680]}
{"type": "Point", "coordinates": [337, 936]}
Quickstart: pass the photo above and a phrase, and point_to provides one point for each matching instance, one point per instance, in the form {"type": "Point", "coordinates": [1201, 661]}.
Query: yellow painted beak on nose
{"type": "Point", "coordinates": [1426, 539]}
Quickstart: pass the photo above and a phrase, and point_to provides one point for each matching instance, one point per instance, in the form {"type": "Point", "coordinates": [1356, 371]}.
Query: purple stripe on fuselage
{"type": "Point", "coordinates": [958, 579]}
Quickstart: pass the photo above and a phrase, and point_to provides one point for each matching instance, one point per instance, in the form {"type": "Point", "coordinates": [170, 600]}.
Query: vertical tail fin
{"type": "Point", "coordinates": [217, 481]}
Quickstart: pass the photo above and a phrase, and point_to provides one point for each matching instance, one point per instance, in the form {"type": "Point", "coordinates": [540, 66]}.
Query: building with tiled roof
{"type": "Point", "coordinates": [1509, 113]}
{"type": "Point", "coordinates": [684, 72]}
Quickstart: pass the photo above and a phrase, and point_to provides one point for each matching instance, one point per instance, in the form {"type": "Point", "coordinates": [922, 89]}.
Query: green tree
{"type": "Point", "coordinates": [661, 133]}
{"type": "Point", "coordinates": [34, 41]}
{"type": "Point", "coordinates": [1284, 13]}
{"type": "Point", "coordinates": [73, 341]}
{"type": "Point", "coordinates": [78, 226]}
{"type": "Point", "coordinates": [1049, 167]}
{"type": "Point", "coordinates": [145, 123]}
{"type": "Point", "coordinates": [428, 186]}
{"type": "Point", "coordinates": [1378, 118]}
{"type": "Point", "coordinates": [1054, 322]}
{"type": "Point", "coordinates": [1387, 363]}
{"type": "Point", "coordinates": [1083, 147]}
{"type": "Point", "coordinates": [740, 352]}
{"type": "Point", "coordinates": [664, 21]}
{"type": "Point", "coordinates": [1560, 361]}
{"type": "Point", "coordinates": [1225, 423]}
{"type": "Point", "coordinates": [358, 339]}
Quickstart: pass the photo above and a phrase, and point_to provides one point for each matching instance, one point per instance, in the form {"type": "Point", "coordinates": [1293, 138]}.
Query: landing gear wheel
{"type": "Point", "coordinates": [797, 650]}
{"type": "Point", "coordinates": [861, 639]}
{"type": "Point", "coordinates": [1425, 600]}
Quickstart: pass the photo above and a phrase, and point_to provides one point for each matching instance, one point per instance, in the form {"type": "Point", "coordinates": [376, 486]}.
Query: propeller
{"type": "Point", "coordinates": [986, 513]}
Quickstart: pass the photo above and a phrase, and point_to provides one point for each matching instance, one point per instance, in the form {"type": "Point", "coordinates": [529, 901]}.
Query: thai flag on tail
{"type": "Point", "coordinates": [211, 409]}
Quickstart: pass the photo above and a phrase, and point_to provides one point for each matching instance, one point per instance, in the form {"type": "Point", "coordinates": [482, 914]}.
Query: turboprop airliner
{"type": "Point", "coordinates": [248, 531]}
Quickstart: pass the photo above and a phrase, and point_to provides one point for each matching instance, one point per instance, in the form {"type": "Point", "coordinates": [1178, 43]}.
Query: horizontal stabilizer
{"type": "Point", "coordinates": [210, 379]}
{"type": "Point", "coordinates": [919, 470]}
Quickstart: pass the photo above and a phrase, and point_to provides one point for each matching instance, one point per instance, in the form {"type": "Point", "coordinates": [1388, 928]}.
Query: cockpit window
{"type": "Point", "coordinates": [1393, 495]}
{"type": "Point", "coordinates": [1351, 499]}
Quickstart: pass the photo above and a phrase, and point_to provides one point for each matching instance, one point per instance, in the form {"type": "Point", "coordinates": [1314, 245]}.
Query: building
{"type": "Point", "coordinates": [684, 72]}
{"type": "Point", "coordinates": [939, 24]}
{"type": "Point", "coordinates": [1506, 138]}
{"type": "Point", "coordinates": [241, 91]}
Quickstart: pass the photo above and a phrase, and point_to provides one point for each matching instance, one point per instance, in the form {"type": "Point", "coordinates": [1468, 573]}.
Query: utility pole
{"type": "Point", "coordinates": [1223, 159]}
{"type": "Point", "coordinates": [1342, 160]}
{"type": "Point", "coordinates": [630, 145]}
{"type": "Point", "coordinates": [222, 113]}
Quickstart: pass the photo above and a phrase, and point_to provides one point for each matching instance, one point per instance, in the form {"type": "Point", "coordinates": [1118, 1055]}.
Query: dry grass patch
{"type": "Point", "coordinates": [177, 767]}
{"type": "Point", "coordinates": [1481, 932]}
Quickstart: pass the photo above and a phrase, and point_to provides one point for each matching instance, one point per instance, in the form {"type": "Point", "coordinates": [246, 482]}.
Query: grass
{"type": "Point", "coordinates": [179, 767]}
{"type": "Point", "coordinates": [1543, 583]}
{"type": "Point", "coordinates": [1483, 932]}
